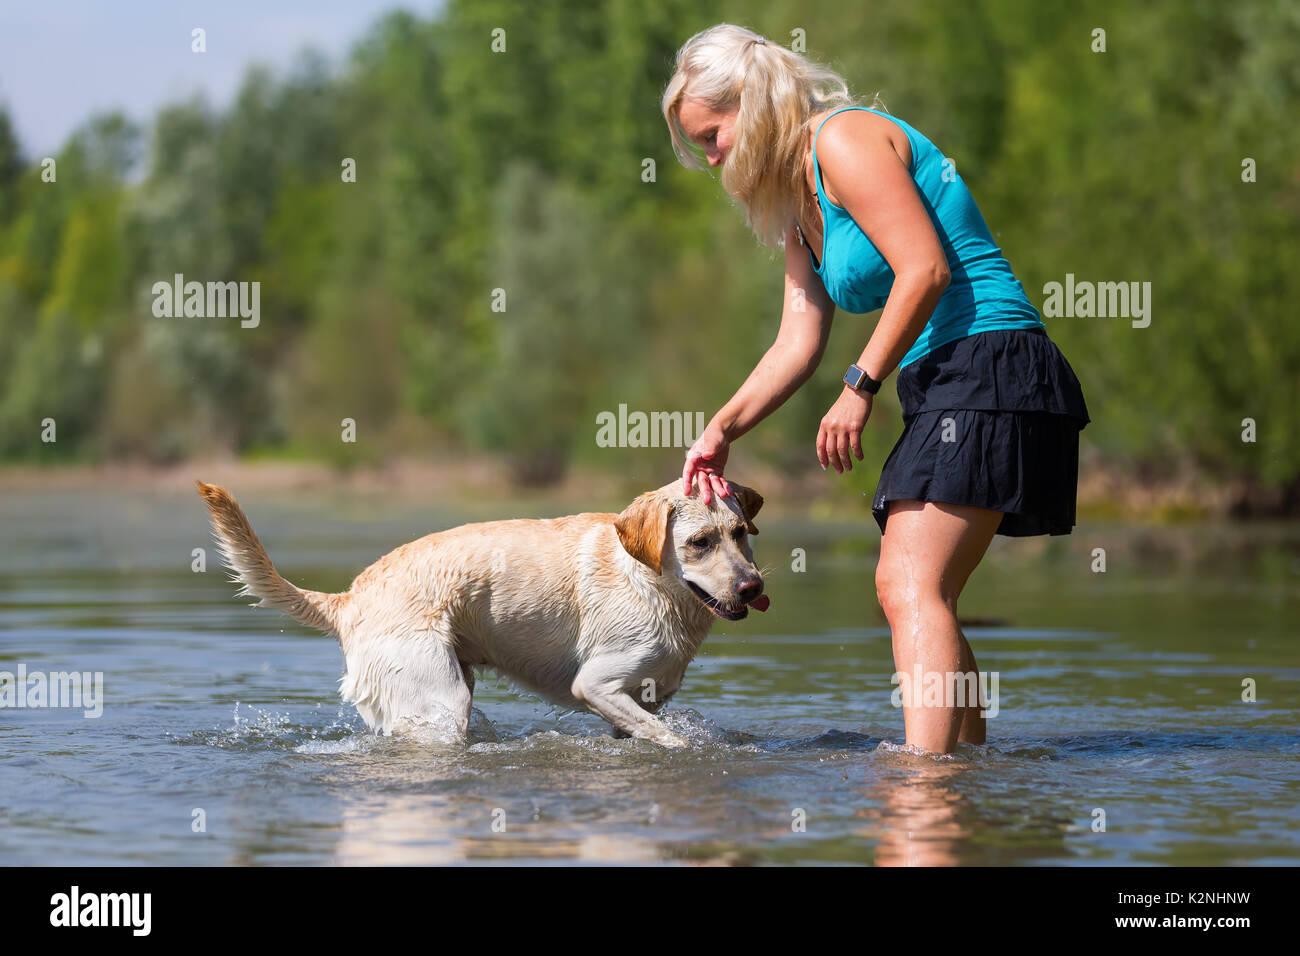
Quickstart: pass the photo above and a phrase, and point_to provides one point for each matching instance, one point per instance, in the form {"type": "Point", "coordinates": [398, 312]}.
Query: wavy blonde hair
{"type": "Point", "coordinates": [777, 92]}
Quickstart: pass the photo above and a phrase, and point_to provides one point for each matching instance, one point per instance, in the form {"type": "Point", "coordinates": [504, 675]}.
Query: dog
{"type": "Point", "coordinates": [596, 611]}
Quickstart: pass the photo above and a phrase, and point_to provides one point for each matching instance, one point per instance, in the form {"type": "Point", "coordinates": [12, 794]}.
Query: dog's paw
{"type": "Point", "coordinates": [670, 739]}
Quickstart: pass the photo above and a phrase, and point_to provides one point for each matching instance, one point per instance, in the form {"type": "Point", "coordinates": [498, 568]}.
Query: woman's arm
{"type": "Point", "coordinates": [790, 361]}
{"type": "Point", "coordinates": [863, 172]}
{"type": "Point", "coordinates": [805, 327]}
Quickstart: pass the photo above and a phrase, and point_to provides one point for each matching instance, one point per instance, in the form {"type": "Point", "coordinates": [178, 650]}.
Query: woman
{"type": "Point", "coordinates": [871, 214]}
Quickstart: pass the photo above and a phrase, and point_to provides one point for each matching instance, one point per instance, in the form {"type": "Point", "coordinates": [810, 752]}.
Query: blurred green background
{"type": "Point", "coordinates": [522, 171]}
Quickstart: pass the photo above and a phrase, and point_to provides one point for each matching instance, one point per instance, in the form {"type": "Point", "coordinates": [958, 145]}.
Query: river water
{"type": "Point", "coordinates": [1121, 733]}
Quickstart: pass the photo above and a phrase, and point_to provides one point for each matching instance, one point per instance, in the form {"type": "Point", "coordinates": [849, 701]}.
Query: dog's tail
{"type": "Point", "coordinates": [253, 569]}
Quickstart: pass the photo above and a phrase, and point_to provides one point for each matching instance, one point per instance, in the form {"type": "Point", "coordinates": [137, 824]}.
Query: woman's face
{"type": "Point", "coordinates": [711, 131]}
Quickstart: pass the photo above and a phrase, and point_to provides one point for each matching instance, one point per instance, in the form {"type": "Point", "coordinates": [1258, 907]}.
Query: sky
{"type": "Point", "coordinates": [63, 60]}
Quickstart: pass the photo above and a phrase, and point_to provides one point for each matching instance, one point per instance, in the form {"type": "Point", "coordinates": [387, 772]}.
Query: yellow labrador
{"type": "Point", "coordinates": [595, 611]}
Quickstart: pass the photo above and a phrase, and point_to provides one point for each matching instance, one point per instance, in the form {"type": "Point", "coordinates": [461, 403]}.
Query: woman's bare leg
{"type": "Point", "coordinates": [926, 555]}
{"type": "Point", "coordinates": [972, 724]}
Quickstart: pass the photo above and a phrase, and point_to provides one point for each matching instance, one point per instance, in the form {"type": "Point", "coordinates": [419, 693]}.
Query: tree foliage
{"type": "Point", "coordinates": [525, 171]}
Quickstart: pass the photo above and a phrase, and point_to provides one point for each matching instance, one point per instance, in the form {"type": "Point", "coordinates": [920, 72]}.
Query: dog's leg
{"type": "Point", "coordinates": [601, 685]}
{"type": "Point", "coordinates": [621, 710]}
{"type": "Point", "coordinates": [650, 706]}
{"type": "Point", "coordinates": [399, 681]}
{"type": "Point", "coordinates": [451, 683]}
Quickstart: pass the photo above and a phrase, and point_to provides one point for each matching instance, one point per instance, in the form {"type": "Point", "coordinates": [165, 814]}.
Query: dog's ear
{"type": "Point", "coordinates": [643, 528]}
{"type": "Point", "coordinates": [750, 501]}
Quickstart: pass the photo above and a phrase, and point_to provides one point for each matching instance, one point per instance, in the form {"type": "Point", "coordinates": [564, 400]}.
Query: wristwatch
{"type": "Point", "coordinates": [860, 381]}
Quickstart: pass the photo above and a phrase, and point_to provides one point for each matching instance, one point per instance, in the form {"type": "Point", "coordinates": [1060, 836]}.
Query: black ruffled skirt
{"type": "Point", "coordinates": [991, 420]}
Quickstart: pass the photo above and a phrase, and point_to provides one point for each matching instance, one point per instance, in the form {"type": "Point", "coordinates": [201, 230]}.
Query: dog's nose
{"type": "Point", "coordinates": [750, 589]}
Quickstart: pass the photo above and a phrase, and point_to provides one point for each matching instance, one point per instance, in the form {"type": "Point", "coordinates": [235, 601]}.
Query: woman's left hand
{"type": "Point", "coordinates": [840, 436]}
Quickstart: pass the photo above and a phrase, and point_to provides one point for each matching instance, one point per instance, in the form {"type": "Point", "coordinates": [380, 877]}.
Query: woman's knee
{"type": "Point", "coordinates": [886, 588]}
{"type": "Point", "coordinates": [902, 590]}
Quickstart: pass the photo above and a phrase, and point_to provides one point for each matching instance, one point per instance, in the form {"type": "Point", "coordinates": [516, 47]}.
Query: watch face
{"type": "Point", "coordinates": [854, 376]}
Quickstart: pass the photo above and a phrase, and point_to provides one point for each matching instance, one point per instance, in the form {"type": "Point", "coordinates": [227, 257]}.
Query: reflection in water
{"type": "Point", "coordinates": [411, 830]}
{"type": "Point", "coordinates": [918, 815]}
{"type": "Point", "coordinates": [398, 830]}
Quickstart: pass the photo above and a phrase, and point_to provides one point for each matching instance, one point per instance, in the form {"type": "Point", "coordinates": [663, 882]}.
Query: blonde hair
{"type": "Point", "coordinates": [777, 92]}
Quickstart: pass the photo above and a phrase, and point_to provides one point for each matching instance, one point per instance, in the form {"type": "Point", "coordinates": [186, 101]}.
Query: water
{"type": "Point", "coordinates": [1120, 692]}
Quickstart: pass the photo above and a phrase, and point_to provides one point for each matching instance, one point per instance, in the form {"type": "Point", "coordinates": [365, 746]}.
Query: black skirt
{"type": "Point", "coordinates": [991, 420]}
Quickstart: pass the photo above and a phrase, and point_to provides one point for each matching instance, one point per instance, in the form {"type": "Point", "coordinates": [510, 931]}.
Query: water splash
{"type": "Point", "coordinates": [911, 750]}
{"type": "Point", "coordinates": [254, 728]}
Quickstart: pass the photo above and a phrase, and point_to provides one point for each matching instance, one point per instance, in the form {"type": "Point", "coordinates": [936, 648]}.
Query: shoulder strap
{"type": "Point", "coordinates": [817, 169]}
{"type": "Point", "coordinates": [823, 123]}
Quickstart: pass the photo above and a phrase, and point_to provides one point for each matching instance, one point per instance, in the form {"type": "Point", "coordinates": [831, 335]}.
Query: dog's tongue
{"type": "Point", "coordinates": [760, 603]}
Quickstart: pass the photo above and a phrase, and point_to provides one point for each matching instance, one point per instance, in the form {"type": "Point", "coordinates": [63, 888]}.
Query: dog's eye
{"type": "Point", "coordinates": [698, 542]}
{"type": "Point", "coordinates": [739, 533]}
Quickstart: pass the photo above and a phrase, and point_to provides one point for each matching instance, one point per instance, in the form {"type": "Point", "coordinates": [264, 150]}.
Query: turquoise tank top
{"type": "Point", "coordinates": [983, 293]}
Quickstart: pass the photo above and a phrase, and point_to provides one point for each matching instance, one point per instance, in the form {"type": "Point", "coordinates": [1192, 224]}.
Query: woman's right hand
{"type": "Point", "coordinates": [707, 458]}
